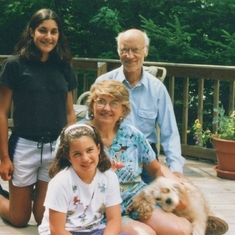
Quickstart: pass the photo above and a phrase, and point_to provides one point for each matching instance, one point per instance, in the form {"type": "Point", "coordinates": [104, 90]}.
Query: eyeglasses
{"type": "Point", "coordinates": [102, 103]}
{"type": "Point", "coordinates": [135, 50]}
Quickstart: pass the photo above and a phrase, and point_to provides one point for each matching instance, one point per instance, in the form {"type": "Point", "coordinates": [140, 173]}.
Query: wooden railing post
{"type": "Point", "coordinates": [102, 68]}
{"type": "Point", "coordinates": [172, 89]}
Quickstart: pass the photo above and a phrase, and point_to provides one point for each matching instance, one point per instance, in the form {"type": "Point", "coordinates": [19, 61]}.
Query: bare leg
{"type": "Point", "coordinates": [38, 208]}
{"type": "Point", "coordinates": [165, 223]}
{"type": "Point", "coordinates": [17, 210]}
{"type": "Point", "coordinates": [137, 228]}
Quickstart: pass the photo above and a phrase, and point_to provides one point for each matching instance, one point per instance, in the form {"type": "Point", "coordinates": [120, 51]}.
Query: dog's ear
{"type": "Point", "coordinates": [181, 189]}
{"type": "Point", "coordinates": [141, 196]}
{"type": "Point", "coordinates": [165, 190]}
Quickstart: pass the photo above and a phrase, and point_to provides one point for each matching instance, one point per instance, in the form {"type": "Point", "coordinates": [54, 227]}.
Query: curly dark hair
{"type": "Point", "coordinates": [26, 47]}
{"type": "Point", "coordinates": [61, 160]}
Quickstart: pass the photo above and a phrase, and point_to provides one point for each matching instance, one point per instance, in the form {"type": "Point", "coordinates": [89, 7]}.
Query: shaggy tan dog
{"type": "Point", "coordinates": [167, 194]}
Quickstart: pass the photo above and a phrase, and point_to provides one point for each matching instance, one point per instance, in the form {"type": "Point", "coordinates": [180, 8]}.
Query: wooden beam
{"type": "Point", "coordinates": [201, 153]}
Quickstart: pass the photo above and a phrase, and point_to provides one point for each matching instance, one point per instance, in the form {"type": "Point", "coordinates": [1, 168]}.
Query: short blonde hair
{"type": "Point", "coordinates": [113, 88]}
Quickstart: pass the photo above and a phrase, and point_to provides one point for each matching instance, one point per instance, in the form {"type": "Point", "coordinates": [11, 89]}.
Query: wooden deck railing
{"type": "Point", "coordinates": [184, 72]}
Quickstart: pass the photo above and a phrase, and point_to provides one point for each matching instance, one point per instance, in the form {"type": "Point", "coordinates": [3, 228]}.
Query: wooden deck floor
{"type": "Point", "coordinates": [219, 192]}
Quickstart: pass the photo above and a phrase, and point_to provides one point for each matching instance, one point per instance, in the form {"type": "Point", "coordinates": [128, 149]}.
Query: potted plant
{"type": "Point", "coordinates": [223, 142]}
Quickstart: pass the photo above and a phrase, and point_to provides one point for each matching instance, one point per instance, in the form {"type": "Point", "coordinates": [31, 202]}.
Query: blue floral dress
{"type": "Point", "coordinates": [131, 150]}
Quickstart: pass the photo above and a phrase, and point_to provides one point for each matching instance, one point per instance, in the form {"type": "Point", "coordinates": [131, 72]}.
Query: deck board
{"type": "Point", "coordinates": [220, 194]}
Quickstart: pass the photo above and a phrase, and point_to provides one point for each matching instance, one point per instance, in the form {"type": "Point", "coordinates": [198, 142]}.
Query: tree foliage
{"type": "Point", "coordinates": [181, 31]}
{"type": "Point", "coordinates": [192, 31]}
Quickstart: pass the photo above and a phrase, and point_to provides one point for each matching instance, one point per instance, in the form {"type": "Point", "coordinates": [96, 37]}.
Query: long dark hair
{"type": "Point", "coordinates": [61, 160]}
{"type": "Point", "coordinates": [26, 47]}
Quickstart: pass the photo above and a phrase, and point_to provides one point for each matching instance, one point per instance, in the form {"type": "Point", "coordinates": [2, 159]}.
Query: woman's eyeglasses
{"type": "Point", "coordinates": [102, 103]}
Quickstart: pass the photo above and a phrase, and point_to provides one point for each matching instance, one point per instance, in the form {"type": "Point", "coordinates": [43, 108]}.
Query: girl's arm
{"type": "Point", "coordinates": [114, 221]}
{"type": "Point", "coordinates": [57, 223]}
{"type": "Point", "coordinates": [71, 116]}
{"type": "Point", "coordinates": [6, 166]}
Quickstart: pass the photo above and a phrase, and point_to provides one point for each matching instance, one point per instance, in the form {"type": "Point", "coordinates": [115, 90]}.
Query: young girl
{"type": "Point", "coordinates": [39, 79]}
{"type": "Point", "coordinates": [82, 188]}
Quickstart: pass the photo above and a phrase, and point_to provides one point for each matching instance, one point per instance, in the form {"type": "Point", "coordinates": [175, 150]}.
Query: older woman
{"type": "Point", "coordinates": [129, 151]}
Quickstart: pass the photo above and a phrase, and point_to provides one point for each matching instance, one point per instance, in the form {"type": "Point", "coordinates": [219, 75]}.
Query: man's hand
{"type": "Point", "coordinates": [182, 177]}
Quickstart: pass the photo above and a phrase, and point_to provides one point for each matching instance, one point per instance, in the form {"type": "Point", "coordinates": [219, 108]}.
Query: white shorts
{"type": "Point", "coordinates": [31, 163]}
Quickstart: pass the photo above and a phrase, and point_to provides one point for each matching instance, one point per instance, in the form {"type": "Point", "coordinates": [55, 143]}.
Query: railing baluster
{"type": "Point", "coordinates": [216, 103]}
{"type": "Point", "coordinates": [185, 110]}
{"type": "Point", "coordinates": [231, 96]}
{"type": "Point", "coordinates": [200, 99]}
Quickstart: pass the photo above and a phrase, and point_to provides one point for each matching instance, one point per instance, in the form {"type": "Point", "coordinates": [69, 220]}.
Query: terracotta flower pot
{"type": "Point", "coordinates": [225, 152]}
{"type": "Point", "coordinates": [225, 174]}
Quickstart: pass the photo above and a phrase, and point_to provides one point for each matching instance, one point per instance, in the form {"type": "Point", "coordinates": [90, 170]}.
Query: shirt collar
{"type": "Point", "coordinates": [143, 79]}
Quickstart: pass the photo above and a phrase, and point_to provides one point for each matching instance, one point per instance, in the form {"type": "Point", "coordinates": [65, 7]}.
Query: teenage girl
{"type": "Point", "coordinates": [39, 79]}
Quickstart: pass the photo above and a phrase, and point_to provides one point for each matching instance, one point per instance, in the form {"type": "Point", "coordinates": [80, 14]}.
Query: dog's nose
{"type": "Point", "coordinates": [168, 201]}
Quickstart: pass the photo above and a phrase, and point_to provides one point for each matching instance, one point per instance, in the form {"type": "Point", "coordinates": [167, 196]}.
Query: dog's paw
{"type": "Point", "coordinates": [143, 204]}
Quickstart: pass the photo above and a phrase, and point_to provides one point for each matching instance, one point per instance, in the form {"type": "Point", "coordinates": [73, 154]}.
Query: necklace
{"type": "Point", "coordinates": [108, 140]}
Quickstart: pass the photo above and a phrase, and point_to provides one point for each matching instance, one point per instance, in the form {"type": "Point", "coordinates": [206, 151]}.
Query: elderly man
{"type": "Point", "coordinates": [150, 101]}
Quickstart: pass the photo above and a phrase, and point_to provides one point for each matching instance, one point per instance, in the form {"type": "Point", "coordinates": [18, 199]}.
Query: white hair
{"type": "Point", "coordinates": [146, 39]}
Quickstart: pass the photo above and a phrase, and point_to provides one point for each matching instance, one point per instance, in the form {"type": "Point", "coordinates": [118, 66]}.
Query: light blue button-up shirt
{"type": "Point", "coordinates": [151, 104]}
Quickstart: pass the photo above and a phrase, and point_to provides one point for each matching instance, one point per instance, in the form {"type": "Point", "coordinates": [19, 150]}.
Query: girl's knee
{"type": "Point", "coordinates": [19, 221]}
